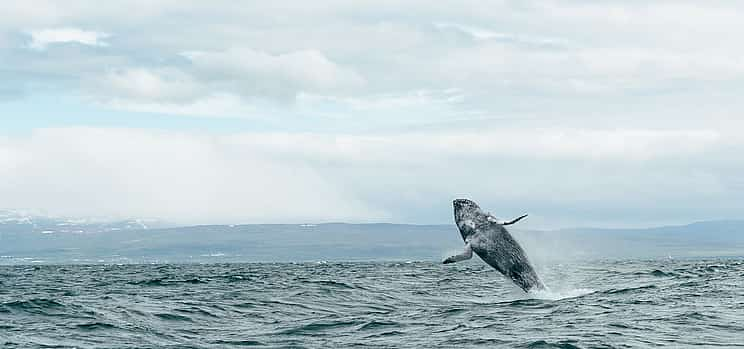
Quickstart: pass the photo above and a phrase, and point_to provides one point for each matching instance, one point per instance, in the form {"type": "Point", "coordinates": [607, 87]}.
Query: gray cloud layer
{"type": "Point", "coordinates": [516, 58]}
{"type": "Point", "coordinates": [563, 177]}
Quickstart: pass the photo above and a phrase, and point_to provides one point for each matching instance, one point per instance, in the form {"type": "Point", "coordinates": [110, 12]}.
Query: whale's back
{"type": "Point", "coordinates": [496, 246]}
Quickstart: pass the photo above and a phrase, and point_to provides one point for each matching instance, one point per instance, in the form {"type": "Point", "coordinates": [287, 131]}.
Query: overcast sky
{"type": "Point", "coordinates": [601, 113]}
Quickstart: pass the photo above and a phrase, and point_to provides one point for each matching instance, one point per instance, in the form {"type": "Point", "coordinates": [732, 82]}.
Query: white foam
{"type": "Point", "coordinates": [554, 295]}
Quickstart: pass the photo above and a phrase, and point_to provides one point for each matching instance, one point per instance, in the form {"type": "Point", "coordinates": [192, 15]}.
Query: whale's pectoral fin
{"type": "Point", "coordinates": [514, 221]}
{"type": "Point", "coordinates": [465, 255]}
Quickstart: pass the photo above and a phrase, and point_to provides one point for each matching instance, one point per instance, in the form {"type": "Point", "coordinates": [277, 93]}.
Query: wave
{"type": "Point", "coordinates": [37, 303]}
{"type": "Point", "coordinates": [543, 344]}
{"type": "Point", "coordinates": [316, 327]}
{"type": "Point", "coordinates": [167, 282]}
{"type": "Point", "coordinates": [535, 303]}
{"type": "Point", "coordinates": [197, 311]}
{"type": "Point", "coordinates": [173, 317]}
{"type": "Point", "coordinates": [331, 283]}
{"type": "Point", "coordinates": [93, 326]}
{"type": "Point", "coordinates": [629, 289]}
{"type": "Point", "coordinates": [659, 273]}
{"type": "Point", "coordinates": [373, 325]}
{"type": "Point", "coordinates": [386, 334]}
{"type": "Point", "coordinates": [246, 343]}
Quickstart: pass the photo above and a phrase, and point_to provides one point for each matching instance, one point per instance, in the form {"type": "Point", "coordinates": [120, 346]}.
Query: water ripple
{"type": "Point", "coordinates": [379, 305]}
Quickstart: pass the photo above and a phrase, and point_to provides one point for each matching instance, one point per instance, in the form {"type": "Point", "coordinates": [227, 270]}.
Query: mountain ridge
{"type": "Point", "coordinates": [131, 243]}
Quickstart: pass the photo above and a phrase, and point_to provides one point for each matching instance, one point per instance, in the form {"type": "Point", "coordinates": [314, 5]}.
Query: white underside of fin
{"type": "Point", "coordinates": [466, 254]}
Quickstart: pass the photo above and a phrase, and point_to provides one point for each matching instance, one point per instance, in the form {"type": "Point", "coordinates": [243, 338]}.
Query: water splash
{"type": "Point", "coordinates": [559, 294]}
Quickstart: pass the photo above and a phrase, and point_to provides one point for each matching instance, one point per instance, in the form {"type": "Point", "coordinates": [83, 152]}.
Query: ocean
{"type": "Point", "coordinates": [598, 304]}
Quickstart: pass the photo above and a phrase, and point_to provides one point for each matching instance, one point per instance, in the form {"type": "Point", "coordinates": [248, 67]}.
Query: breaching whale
{"type": "Point", "coordinates": [487, 237]}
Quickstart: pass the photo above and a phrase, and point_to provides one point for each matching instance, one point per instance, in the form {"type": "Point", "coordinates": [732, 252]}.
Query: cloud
{"type": "Point", "coordinates": [406, 108]}
{"type": "Point", "coordinates": [484, 34]}
{"type": "Point", "coordinates": [559, 175]}
{"type": "Point", "coordinates": [167, 85]}
{"type": "Point", "coordinates": [283, 74]}
{"type": "Point", "coordinates": [180, 177]}
{"type": "Point", "coordinates": [389, 102]}
{"type": "Point", "coordinates": [164, 91]}
{"type": "Point", "coordinates": [221, 105]}
{"type": "Point", "coordinates": [227, 83]}
{"type": "Point", "coordinates": [40, 39]}
{"type": "Point", "coordinates": [538, 58]}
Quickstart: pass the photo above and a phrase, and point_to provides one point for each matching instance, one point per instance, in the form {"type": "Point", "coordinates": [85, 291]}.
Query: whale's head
{"type": "Point", "coordinates": [464, 206]}
{"type": "Point", "coordinates": [467, 213]}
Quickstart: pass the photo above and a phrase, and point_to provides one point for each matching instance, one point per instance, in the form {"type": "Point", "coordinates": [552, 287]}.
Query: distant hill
{"type": "Point", "coordinates": [35, 222]}
{"type": "Point", "coordinates": [700, 239]}
{"type": "Point", "coordinates": [63, 241]}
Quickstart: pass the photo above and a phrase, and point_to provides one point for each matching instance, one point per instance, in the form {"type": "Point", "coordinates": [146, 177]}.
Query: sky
{"type": "Point", "coordinates": [579, 113]}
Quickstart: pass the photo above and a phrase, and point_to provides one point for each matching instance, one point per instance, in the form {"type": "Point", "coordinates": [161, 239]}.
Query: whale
{"type": "Point", "coordinates": [488, 238]}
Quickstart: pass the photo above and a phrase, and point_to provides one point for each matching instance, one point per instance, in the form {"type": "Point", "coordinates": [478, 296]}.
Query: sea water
{"type": "Point", "coordinates": [599, 304]}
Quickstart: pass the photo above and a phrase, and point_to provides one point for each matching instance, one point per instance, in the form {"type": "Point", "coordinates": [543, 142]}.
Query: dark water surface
{"type": "Point", "coordinates": [372, 305]}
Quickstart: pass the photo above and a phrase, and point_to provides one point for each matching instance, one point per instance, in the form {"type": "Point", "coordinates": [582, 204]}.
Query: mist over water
{"type": "Point", "coordinates": [628, 303]}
